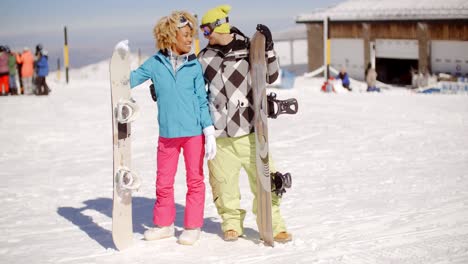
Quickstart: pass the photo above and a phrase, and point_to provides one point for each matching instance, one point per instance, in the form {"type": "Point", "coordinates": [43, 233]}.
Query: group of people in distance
{"type": "Point", "coordinates": [371, 79]}
{"type": "Point", "coordinates": [27, 70]}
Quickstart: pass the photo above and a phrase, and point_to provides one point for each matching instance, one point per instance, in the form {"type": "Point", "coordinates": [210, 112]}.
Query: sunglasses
{"type": "Point", "coordinates": [184, 22]}
{"type": "Point", "coordinates": [208, 28]}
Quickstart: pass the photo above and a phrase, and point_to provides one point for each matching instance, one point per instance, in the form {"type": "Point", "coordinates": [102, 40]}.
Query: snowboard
{"type": "Point", "coordinates": [258, 73]}
{"type": "Point", "coordinates": [123, 112]}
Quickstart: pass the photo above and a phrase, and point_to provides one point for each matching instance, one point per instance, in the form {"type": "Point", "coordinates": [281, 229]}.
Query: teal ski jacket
{"type": "Point", "coordinates": [182, 99]}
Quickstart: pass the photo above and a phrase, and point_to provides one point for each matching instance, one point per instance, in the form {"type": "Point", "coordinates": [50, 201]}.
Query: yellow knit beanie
{"type": "Point", "coordinates": [219, 12]}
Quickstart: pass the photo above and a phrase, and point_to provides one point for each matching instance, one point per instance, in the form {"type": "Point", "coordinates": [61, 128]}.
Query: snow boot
{"type": "Point", "coordinates": [231, 235]}
{"type": "Point", "coordinates": [283, 237]}
{"type": "Point", "coordinates": [159, 232]}
{"type": "Point", "coordinates": [189, 236]}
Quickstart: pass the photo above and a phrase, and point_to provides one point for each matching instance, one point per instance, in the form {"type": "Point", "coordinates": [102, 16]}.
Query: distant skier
{"type": "Point", "coordinates": [225, 62]}
{"type": "Point", "coordinates": [343, 75]}
{"type": "Point", "coordinates": [12, 70]}
{"type": "Point", "coordinates": [38, 52]}
{"type": "Point", "coordinates": [27, 69]}
{"type": "Point", "coordinates": [42, 70]}
{"type": "Point", "coordinates": [4, 72]}
{"type": "Point", "coordinates": [19, 66]}
{"type": "Point", "coordinates": [183, 118]}
{"type": "Point", "coordinates": [371, 79]}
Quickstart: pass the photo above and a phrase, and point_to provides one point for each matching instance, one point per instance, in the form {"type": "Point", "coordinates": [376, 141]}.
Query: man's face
{"type": "Point", "coordinates": [213, 38]}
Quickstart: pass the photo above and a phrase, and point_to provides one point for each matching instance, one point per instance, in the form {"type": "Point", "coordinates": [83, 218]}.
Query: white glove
{"type": "Point", "coordinates": [122, 46]}
{"type": "Point", "coordinates": [210, 142]}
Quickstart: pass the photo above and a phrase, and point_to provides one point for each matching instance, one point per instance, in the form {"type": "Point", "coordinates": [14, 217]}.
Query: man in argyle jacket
{"type": "Point", "coordinates": [225, 62]}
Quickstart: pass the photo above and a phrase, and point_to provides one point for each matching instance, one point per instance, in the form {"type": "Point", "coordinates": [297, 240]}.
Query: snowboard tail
{"type": "Point", "coordinates": [258, 73]}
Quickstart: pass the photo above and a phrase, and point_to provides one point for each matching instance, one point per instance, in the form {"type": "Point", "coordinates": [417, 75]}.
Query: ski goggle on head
{"type": "Point", "coordinates": [184, 22]}
{"type": "Point", "coordinates": [208, 28]}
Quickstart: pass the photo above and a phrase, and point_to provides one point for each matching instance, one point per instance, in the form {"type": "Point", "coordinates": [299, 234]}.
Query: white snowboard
{"type": "Point", "coordinates": [122, 226]}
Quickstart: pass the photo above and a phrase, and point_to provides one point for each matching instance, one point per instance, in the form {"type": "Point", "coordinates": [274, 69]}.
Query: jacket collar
{"type": "Point", "coordinates": [238, 44]}
{"type": "Point", "coordinates": [164, 57]}
{"type": "Point", "coordinates": [165, 54]}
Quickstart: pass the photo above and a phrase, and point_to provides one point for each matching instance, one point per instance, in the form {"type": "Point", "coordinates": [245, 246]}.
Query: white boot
{"type": "Point", "coordinates": [189, 236]}
{"type": "Point", "coordinates": [159, 232]}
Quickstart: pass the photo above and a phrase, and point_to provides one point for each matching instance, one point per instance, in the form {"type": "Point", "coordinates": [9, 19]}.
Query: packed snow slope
{"type": "Point", "coordinates": [377, 178]}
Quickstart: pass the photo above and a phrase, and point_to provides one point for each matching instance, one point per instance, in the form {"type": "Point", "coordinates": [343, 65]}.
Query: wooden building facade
{"type": "Point", "coordinates": [410, 37]}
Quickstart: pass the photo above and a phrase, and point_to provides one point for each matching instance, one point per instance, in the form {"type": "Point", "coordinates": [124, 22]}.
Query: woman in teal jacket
{"type": "Point", "coordinates": [183, 116]}
{"type": "Point", "coordinates": [182, 99]}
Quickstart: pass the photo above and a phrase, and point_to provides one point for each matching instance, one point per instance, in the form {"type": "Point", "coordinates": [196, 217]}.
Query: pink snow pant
{"type": "Point", "coordinates": [164, 211]}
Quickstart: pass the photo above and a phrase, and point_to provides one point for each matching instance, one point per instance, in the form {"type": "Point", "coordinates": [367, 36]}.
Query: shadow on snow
{"type": "Point", "coordinates": [142, 216]}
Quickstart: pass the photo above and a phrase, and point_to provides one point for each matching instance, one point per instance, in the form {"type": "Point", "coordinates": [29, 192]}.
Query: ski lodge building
{"type": "Point", "coordinates": [291, 49]}
{"type": "Point", "coordinates": [397, 36]}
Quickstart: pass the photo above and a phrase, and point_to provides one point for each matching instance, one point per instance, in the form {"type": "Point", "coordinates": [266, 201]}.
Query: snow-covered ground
{"type": "Point", "coordinates": [377, 178]}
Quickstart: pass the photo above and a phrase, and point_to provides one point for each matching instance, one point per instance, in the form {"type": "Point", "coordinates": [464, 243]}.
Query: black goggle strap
{"type": "Point", "coordinates": [215, 24]}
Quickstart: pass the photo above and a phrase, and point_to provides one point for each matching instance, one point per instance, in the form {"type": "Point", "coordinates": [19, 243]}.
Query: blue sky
{"type": "Point", "coordinates": [96, 25]}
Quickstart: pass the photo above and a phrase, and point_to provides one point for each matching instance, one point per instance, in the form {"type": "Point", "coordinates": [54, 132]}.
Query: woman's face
{"type": "Point", "coordinates": [184, 41]}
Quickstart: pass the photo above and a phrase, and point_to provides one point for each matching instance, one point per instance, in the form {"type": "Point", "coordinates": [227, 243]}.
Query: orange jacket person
{"type": "Point", "coordinates": [27, 70]}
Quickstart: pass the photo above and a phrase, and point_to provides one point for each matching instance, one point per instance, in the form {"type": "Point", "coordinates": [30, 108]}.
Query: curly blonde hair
{"type": "Point", "coordinates": [165, 31]}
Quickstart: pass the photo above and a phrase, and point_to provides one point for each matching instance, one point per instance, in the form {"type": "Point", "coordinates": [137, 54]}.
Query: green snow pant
{"type": "Point", "coordinates": [232, 154]}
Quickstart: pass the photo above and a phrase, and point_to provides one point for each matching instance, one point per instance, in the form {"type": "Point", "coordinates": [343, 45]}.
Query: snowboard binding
{"type": "Point", "coordinates": [278, 107]}
{"type": "Point", "coordinates": [127, 111]}
{"type": "Point", "coordinates": [280, 182]}
{"type": "Point", "coordinates": [127, 180]}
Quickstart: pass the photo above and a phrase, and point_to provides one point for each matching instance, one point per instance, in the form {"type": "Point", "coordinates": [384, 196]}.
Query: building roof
{"type": "Point", "coordinates": [298, 32]}
{"type": "Point", "coordinates": [382, 10]}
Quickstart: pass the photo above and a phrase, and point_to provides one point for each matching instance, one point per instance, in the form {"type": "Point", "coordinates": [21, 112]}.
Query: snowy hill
{"type": "Point", "coordinates": [100, 71]}
{"type": "Point", "coordinates": [377, 178]}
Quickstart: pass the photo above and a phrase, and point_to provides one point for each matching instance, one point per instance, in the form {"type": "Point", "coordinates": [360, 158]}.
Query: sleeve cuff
{"type": "Point", "coordinates": [209, 130]}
